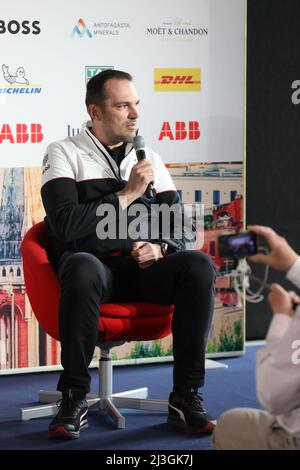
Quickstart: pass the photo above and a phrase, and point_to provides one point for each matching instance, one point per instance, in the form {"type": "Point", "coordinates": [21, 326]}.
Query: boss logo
{"type": "Point", "coordinates": [16, 27]}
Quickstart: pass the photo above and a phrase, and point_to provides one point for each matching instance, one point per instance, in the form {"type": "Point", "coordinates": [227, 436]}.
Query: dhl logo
{"type": "Point", "coordinates": [177, 79]}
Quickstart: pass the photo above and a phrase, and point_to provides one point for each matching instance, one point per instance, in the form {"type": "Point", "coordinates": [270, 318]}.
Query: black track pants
{"type": "Point", "coordinates": [185, 279]}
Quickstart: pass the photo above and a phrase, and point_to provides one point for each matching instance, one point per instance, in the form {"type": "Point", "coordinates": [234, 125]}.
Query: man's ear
{"type": "Point", "coordinates": [94, 112]}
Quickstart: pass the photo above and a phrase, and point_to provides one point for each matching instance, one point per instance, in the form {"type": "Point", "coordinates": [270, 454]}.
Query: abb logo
{"type": "Point", "coordinates": [23, 133]}
{"type": "Point", "coordinates": [182, 131]}
{"type": "Point", "coordinates": [174, 79]}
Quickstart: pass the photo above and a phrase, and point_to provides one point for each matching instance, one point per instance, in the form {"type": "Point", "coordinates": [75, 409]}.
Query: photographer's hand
{"type": "Point", "coordinates": [282, 301]}
{"type": "Point", "coordinates": [281, 256]}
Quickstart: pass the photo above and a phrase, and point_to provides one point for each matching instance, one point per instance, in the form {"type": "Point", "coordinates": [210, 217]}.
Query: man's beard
{"type": "Point", "coordinates": [128, 137]}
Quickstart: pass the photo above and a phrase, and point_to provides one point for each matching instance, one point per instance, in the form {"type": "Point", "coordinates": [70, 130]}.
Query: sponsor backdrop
{"type": "Point", "coordinates": [187, 62]}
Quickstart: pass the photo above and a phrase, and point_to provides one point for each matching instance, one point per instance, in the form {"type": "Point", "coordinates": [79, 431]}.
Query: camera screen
{"type": "Point", "coordinates": [237, 245]}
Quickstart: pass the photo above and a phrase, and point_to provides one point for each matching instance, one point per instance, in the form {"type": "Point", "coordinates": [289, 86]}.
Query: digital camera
{"type": "Point", "coordinates": [237, 245]}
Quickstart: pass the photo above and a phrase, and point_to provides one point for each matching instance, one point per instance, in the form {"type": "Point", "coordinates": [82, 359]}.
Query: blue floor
{"type": "Point", "coordinates": [224, 389]}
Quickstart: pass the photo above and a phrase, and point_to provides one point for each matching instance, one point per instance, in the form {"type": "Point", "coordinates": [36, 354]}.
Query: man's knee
{"type": "Point", "coordinates": [200, 265]}
{"type": "Point", "coordinates": [221, 430]}
{"type": "Point", "coordinates": [83, 270]}
{"type": "Point", "coordinates": [228, 424]}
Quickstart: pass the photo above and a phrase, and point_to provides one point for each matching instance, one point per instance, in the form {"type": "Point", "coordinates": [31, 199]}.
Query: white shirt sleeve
{"type": "Point", "coordinates": [293, 274]}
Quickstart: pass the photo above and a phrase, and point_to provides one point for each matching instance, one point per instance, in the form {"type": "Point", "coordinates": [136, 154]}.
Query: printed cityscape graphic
{"type": "Point", "coordinates": [23, 344]}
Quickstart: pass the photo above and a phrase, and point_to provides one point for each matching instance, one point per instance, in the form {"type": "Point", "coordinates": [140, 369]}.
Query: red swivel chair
{"type": "Point", "coordinates": [118, 323]}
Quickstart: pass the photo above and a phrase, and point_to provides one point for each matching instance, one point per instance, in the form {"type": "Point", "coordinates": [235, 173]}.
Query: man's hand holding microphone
{"type": "Point", "coordinates": [141, 180]}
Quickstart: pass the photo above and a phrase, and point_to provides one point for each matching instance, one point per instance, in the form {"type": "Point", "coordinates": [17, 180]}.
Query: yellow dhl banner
{"type": "Point", "coordinates": [177, 79]}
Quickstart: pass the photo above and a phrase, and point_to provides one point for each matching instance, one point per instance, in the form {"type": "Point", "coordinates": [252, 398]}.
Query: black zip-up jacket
{"type": "Point", "coordinates": [78, 178]}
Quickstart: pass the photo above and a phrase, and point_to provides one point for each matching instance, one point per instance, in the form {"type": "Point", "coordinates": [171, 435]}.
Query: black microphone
{"type": "Point", "coordinates": [139, 147]}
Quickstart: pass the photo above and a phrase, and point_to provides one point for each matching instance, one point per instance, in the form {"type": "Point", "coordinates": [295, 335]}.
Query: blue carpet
{"type": "Point", "coordinates": [224, 389]}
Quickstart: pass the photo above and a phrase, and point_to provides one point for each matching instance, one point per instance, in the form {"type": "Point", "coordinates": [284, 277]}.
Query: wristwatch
{"type": "Point", "coordinates": [163, 248]}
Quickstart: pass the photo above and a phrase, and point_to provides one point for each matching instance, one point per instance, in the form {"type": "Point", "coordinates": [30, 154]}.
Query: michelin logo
{"type": "Point", "coordinates": [19, 77]}
{"type": "Point", "coordinates": [15, 80]}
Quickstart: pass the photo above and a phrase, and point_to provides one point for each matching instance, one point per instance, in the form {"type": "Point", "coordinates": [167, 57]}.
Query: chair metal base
{"type": "Point", "coordinates": [106, 400]}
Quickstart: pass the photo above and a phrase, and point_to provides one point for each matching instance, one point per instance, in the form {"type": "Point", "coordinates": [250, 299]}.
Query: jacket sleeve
{"type": "Point", "coordinates": [278, 362]}
{"type": "Point", "coordinates": [69, 220]}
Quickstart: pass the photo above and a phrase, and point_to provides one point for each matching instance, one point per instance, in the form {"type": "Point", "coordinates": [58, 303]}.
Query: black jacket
{"type": "Point", "coordinates": [79, 177]}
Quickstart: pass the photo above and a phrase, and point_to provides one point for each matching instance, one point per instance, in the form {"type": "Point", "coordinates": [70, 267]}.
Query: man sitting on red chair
{"type": "Point", "coordinates": [82, 177]}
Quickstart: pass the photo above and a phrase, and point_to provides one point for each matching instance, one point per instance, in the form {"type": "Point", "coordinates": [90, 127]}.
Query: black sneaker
{"type": "Point", "coordinates": [187, 412]}
{"type": "Point", "coordinates": [71, 417]}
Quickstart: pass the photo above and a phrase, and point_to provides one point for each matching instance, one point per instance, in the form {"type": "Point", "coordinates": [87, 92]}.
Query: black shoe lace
{"type": "Point", "coordinates": [68, 405]}
{"type": "Point", "coordinates": [195, 400]}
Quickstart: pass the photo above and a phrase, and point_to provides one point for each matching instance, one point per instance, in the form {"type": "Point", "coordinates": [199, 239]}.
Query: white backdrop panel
{"type": "Point", "coordinates": [55, 61]}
